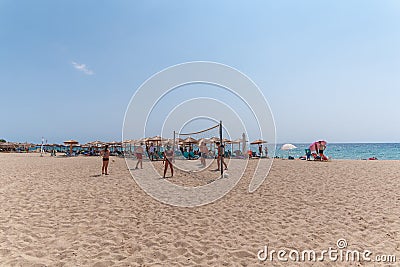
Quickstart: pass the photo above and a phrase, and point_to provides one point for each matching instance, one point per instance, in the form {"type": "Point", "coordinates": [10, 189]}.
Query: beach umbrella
{"type": "Point", "coordinates": [315, 146]}
{"type": "Point", "coordinates": [96, 143]}
{"type": "Point", "coordinates": [168, 142]}
{"type": "Point", "coordinates": [258, 142]}
{"type": "Point", "coordinates": [204, 140]}
{"type": "Point", "coordinates": [237, 141]}
{"type": "Point", "coordinates": [288, 147]}
{"type": "Point", "coordinates": [135, 142]}
{"type": "Point", "coordinates": [178, 141]}
{"type": "Point", "coordinates": [145, 140]}
{"type": "Point", "coordinates": [224, 140]}
{"type": "Point", "coordinates": [214, 139]}
{"type": "Point", "coordinates": [114, 143]}
{"type": "Point", "coordinates": [71, 143]}
{"type": "Point", "coordinates": [190, 140]}
{"type": "Point", "coordinates": [24, 146]}
{"type": "Point", "coordinates": [7, 145]}
{"type": "Point", "coordinates": [156, 138]}
{"type": "Point", "coordinates": [129, 143]}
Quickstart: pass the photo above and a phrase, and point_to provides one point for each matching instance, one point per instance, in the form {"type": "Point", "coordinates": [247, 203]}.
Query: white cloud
{"type": "Point", "coordinates": [83, 68]}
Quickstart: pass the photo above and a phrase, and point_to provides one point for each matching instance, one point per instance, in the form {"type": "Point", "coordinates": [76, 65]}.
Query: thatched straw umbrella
{"type": "Point", "coordinates": [258, 142]}
{"type": "Point", "coordinates": [71, 143]}
{"type": "Point", "coordinates": [190, 140]}
{"type": "Point", "coordinates": [7, 146]}
{"type": "Point", "coordinates": [96, 143]}
{"type": "Point", "coordinates": [237, 141]}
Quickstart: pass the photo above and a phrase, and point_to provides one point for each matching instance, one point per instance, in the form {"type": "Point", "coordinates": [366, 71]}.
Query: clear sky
{"type": "Point", "coordinates": [329, 69]}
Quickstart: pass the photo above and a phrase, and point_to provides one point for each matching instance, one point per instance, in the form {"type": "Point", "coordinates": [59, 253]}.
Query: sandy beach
{"type": "Point", "coordinates": [60, 212]}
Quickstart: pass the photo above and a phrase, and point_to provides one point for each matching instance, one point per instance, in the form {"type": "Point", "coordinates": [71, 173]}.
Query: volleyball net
{"type": "Point", "coordinates": [200, 144]}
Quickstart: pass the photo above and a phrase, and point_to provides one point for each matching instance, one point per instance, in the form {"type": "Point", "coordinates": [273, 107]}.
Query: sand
{"type": "Point", "coordinates": [60, 212]}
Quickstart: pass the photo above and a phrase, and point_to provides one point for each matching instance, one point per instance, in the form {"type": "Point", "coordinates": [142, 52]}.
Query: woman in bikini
{"type": "Point", "coordinates": [221, 152]}
{"type": "Point", "coordinates": [204, 152]}
{"type": "Point", "coordinates": [139, 155]}
{"type": "Point", "coordinates": [167, 160]}
{"type": "Point", "coordinates": [106, 158]}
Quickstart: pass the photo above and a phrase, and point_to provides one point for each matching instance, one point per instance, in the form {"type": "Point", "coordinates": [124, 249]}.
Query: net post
{"type": "Point", "coordinates": [173, 144]}
{"type": "Point", "coordinates": [221, 160]}
{"type": "Point", "coordinates": [173, 147]}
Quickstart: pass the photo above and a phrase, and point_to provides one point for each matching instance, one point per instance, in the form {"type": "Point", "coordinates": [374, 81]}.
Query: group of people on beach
{"type": "Point", "coordinates": [317, 153]}
{"type": "Point", "coordinates": [168, 156]}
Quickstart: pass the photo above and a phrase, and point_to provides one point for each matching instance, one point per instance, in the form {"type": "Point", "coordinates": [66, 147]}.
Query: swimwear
{"type": "Point", "coordinates": [106, 159]}
{"type": "Point", "coordinates": [169, 154]}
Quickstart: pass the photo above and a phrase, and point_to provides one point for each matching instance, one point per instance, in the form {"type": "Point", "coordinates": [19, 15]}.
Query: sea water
{"type": "Point", "coordinates": [384, 151]}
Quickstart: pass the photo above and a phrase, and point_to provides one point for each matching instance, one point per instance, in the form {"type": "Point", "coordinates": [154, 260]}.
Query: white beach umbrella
{"type": "Point", "coordinates": [288, 147]}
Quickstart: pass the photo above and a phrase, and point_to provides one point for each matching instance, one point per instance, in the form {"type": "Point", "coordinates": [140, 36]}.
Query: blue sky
{"type": "Point", "coordinates": [329, 69]}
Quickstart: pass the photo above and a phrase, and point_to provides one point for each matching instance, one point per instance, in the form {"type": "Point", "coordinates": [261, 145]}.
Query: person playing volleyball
{"type": "Point", "coordinates": [139, 155]}
{"type": "Point", "coordinates": [221, 156]}
{"type": "Point", "coordinates": [167, 160]}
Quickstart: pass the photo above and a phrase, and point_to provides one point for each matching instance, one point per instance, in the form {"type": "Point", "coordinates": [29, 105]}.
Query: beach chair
{"type": "Point", "coordinates": [308, 154]}
{"type": "Point", "coordinates": [178, 155]}
{"type": "Point", "coordinates": [192, 155]}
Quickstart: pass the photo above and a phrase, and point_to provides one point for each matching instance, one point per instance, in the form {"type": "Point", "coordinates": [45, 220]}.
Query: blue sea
{"type": "Point", "coordinates": [383, 151]}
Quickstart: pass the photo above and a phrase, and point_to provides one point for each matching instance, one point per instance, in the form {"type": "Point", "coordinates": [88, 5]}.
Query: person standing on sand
{"type": "Point", "coordinates": [321, 149]}
{"type": "Point", "coordinates": [139, 155]}
{"type": "Point", "coordinates": [105, 154]}
{"type": "Point", "coordinates": [266, 151]}
{"type": "Point", "coordinates": [167, 160]}
{"type": "Point", "coordinates": [221, 156]}
{"type": "Point", "coordinates": [204, 152]}
{"type": "Point", "coordinates": [152, 150]}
